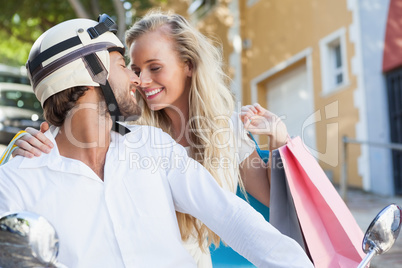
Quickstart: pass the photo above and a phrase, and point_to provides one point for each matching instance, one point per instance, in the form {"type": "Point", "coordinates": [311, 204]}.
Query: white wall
{"type": "Point", "coordinates": [234, 36]}
{"type": "Point", "coordinates": [373, 19]}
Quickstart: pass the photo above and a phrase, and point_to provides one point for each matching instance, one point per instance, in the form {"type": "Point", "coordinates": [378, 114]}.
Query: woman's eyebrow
{"type": "Point", "coordinates": [147, 61]}
{"type": "Point", "coordinates": [151, 60]}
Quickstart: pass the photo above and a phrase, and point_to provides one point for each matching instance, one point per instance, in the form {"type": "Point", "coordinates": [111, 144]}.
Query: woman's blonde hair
{"type": "Point", "coordinates": [211, 106]}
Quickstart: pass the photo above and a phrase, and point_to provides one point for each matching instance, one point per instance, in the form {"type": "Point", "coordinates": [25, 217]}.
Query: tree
{"type": "Point", "coordinates": [22, 22]}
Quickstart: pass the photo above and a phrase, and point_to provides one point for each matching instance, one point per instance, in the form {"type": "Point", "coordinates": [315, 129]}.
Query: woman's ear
{"type": "Point", "coordinates": [189, 69]}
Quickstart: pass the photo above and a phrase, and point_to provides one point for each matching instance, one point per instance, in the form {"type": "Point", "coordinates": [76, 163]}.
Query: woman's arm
{"type": "Point", "coordinates": [34, 143]}
{"type": "Point", "coordinates": [255, 173]}
{"type": "Point", "coordinates": [195, 191]}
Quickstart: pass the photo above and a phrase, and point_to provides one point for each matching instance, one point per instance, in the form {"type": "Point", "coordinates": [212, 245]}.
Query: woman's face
{"type": "Point", "coordinates": [165, 79]}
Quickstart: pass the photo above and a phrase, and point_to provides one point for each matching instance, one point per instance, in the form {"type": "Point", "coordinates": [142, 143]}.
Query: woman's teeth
{"type": "Point", "coordinates": [153, 92]}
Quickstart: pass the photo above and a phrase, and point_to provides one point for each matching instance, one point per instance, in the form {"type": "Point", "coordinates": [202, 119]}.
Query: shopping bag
{"type": "Point", "coordinates": [282, 209]}
{"type": "Point", "coordinates": [313, 212]}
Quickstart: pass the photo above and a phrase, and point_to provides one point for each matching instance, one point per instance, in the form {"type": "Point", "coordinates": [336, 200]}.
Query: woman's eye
{"type": "Point", "coordinates": [154, 69]}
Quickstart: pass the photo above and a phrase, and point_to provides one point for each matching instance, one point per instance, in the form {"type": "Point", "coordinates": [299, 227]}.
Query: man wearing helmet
{"type": "Point", "coordinates": [110, 206]}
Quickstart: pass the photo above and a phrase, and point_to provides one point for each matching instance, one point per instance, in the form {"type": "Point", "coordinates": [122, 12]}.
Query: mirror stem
{"type": "Point", "coordinates": [368, 258]}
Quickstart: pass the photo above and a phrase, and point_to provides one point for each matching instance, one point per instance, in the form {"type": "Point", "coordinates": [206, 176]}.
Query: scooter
{"type": "Point", "coordinates": [29, 240]}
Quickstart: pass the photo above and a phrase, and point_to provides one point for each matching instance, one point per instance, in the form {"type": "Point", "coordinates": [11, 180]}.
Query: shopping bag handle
{"type": "Point", "coordinates": [11, 147]}
{"type": "Point", "coordinates": [289, 139]}
{"type": "Point", "coordinates": [264, 154]}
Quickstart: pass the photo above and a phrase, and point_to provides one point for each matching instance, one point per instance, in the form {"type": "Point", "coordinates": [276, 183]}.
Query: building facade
{"type": "Point", "coordinates": [322, 67]}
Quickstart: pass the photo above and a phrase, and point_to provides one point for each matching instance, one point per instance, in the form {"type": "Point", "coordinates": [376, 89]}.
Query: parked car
{"type": "Point", "coordinates": [19, 109]}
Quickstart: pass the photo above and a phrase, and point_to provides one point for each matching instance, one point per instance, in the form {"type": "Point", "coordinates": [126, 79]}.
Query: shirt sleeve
{"type": "Point", "coordinates": [10, 199]}
{"type": "Point", "coordinates": [244, 145]}
{"type": "Point", "coordinates": [195, 192]}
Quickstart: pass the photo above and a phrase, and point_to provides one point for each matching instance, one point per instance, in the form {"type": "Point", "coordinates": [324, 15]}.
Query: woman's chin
{"type": "Point", "coordinates": [155, 107]}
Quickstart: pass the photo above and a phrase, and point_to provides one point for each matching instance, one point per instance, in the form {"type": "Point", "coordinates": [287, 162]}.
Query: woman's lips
{"type": "Point", "coordinates": [153, 93]}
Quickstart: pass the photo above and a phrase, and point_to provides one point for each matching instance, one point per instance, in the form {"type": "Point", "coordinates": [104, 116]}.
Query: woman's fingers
{"type": "Point", "coordinates": [32, 144]}
{"type": "Point", "coordinates": [260, 121]}
{"type": "Point", "coordinates": [264, 112]}
{"type": "Point", "coordinates": [44, 127]}
{"type": "Point", "coordinates": [247, 112]}
{"type": "Point", "coordinates": [38, 140]}
{"type": "Point", "coordinates": [22, 152]}
{"type": "Point", "coordinates": [259, 125]}
{"type": "Point", "coordinates": [25, 148]}
{"type": "Point", "coordinates": [260, 110]}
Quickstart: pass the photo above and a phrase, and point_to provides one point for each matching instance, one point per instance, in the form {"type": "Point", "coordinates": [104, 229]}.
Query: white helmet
{"type": "Point", "coordinates": [75, 53]}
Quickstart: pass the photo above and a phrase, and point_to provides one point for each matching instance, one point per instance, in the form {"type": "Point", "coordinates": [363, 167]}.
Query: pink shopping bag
{"type": "Point", "coordinates": [329, 230]}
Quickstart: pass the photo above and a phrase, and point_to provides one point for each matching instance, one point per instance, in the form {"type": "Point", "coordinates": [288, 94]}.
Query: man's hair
{"type": "Point", "coordinates": [56, 107]}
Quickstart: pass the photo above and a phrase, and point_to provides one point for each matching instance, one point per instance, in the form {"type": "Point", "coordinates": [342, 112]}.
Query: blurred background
{"type": "Point", "coordinates": [331, 69]}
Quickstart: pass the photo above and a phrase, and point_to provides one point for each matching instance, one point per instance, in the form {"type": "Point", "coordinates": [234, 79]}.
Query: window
{"type": "Point", "coordinates": [198, 8]}
{"type": "Point", "coordinates": [334, 73]}
{"type": "Point", "coordinates": [336, 64]}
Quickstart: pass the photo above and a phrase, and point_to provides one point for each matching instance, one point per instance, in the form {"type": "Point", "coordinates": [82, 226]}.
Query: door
{"type": "Point", "coordinates": [290, 97]}
{"type": "Point", "coordinates": [394, 88]}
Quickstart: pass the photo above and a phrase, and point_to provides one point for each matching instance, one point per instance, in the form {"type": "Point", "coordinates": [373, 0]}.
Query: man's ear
{"type": "Point", "coordinates": [94, 89]}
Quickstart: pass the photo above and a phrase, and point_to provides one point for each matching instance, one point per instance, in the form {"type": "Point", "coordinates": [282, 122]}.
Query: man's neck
{"type": "Point", "coordinates": [85, 136]}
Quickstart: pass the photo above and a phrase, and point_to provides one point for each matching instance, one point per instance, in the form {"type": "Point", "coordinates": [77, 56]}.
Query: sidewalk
{"type": "Point", "coordinates": [364, 207]}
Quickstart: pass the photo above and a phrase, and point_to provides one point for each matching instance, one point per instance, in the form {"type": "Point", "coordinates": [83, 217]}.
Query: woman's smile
{"type": "Point", "coordinates": [152, 93]}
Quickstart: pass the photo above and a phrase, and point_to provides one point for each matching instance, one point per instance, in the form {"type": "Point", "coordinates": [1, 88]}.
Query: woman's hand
{"type": "Point", "coordinates": [34, 143]}
{"type": "Point", "coordinates": [260, 121]}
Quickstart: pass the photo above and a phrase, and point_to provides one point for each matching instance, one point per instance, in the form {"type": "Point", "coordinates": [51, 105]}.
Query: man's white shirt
{"type": "Point", "coordinates": [129, 220]}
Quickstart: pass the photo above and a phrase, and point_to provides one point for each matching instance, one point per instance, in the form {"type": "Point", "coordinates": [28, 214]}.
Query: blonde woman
{"type": "Point", "coordinates": [184, 92]}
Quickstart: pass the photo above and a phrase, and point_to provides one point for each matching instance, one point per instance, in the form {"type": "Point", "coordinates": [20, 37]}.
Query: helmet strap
{"type": "Point", "coordinates": [99, 75]}
{"type": "Point", "coordinates": [113, 109]}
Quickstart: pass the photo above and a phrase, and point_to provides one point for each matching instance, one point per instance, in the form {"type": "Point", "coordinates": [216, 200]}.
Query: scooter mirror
{"type": "Point", "coordinates": [27, 240]}
{"type": "Point", "coordinates": [382, 232]}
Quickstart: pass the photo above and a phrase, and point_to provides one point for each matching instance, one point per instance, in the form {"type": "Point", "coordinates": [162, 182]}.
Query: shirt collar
{"type": "Point", "coordinates": [44, 159]}
{"type": "Point", "coordinates": [56, 162]}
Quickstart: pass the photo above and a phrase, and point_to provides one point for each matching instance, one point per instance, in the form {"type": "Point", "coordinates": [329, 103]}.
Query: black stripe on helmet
{"type": "Point", "coordinates": [42, 72]}
{"type": "Point", "coordinates": [52, 51]}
